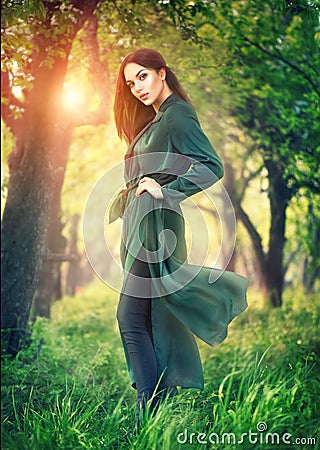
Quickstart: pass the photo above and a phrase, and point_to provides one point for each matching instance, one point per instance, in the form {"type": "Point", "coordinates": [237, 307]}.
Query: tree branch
{"type": "Point", "coordinates": [60, 257]}
{"type": "Point", "coordinates": [245, 219]}
{"type": "Point", "coordinates": [99, 71]}
{"type": "Point", "coordinates": [277, 55]}
{"type": "Point", "coordinates": [285, 61]}
{"type": "Point", "coordinates": [253, 233]}
{"type": "Point", "coordinates": [246, 181]}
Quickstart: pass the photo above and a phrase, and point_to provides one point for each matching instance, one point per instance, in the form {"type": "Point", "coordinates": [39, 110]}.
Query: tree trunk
{"type": "Point", "coordinates": [274, 275]}
{"type": "Point", "coordinates": [40, 136]}
{"type": "Point", "coordinates": [33, 167]}
{"type": "Point", "coordinates": [279, 196]}
{"type": "Point", "coordinates": [24, 227]}
{"type": "Point", "coordinates": [270, 264]}
{"type": "Point", "coordinates": [49, 287]}
{"type": "Point", "coordinates": [73, 274]}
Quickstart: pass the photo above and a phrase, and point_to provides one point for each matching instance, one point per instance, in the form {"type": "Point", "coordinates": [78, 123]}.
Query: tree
{"type": "Point", "coordinates": [272, 67]}
{"type": "Point", "coordinates": [38, 51]}
{"type": "Point", "coordinates": [277, 114]}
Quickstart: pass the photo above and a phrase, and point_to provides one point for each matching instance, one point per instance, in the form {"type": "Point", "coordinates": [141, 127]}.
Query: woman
{"type": "Point", "coordinates": [164, 300]}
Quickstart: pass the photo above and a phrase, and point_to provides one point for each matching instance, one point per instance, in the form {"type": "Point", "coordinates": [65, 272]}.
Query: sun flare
{"type": "Point", "coordinates": [72, 97]}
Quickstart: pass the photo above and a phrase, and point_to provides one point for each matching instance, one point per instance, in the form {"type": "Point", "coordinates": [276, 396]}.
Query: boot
{"type": "Point", "coordinates": [146, 405]}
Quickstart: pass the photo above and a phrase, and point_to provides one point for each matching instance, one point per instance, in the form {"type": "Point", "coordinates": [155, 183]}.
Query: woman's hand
{"type": "Point", "coordinates": [150, 185]}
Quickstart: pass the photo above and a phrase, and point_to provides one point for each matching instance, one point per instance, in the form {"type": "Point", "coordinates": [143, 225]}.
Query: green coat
{"type": "Point", "coordinates": [174, 150]}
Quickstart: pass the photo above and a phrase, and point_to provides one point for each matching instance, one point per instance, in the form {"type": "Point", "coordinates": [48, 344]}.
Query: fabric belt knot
{"type": "Point", "coordinates": [118, 205]}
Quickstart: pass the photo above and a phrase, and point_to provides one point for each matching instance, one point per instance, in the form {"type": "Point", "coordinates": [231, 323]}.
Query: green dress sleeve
{"type": "Point", "coordinates": [188, 139]}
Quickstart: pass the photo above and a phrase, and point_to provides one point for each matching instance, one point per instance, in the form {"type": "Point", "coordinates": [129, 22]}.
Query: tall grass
{"type": "Point", "coordinates": [70, 388]}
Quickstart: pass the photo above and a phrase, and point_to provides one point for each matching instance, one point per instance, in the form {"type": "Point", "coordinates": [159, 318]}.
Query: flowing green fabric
{"type": "Point", "coordinates": [187, 300]}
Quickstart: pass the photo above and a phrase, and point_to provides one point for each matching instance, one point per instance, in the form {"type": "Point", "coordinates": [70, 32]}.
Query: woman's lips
{"type": "Point", "coordinates": [144, 96]}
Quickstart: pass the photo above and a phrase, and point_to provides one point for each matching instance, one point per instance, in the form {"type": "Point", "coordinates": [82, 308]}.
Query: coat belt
{"type": "Point", "coordinates": [118, 205]}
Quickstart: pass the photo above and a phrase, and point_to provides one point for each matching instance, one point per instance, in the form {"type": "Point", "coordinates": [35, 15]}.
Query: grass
{"type": "Point", "coordinates": [70, 388]}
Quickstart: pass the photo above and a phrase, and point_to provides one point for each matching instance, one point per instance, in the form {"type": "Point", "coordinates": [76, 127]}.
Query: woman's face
{"type": "Point", "coordinates": [147, 85]}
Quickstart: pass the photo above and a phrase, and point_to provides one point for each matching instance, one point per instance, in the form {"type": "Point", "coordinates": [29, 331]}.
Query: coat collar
{"type": "Point", "coordinates": [168, 102]}
{"type": "Point", "coordinates": [164, 106]}
{"type": "Point", "coordinates": [157, 118]}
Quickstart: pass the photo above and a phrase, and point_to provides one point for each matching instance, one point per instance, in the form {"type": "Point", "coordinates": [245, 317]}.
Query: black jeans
{"type": "Point", "coordinates": [134, 319]}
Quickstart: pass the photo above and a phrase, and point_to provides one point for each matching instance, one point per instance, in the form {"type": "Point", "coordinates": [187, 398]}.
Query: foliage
{"type": "Point", "coordinates": [70, 390]}
{"type": "Point", "coordinates": [273, 68]}
{"type": "Point", "coordinates": [14, 10]}
{"type": "Point", "coordinates": [267, 53]}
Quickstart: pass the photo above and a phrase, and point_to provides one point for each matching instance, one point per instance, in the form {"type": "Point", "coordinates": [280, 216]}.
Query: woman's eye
{"type": "Point", "coordinates": [142, 77]}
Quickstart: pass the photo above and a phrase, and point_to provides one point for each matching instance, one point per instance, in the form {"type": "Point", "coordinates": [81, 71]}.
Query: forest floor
{"type": "Point", "coordinates": [70, 388]}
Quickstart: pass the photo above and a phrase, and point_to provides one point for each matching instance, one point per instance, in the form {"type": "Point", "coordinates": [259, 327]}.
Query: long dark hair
{"type": "Point", "coordinates": [130, 114]}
